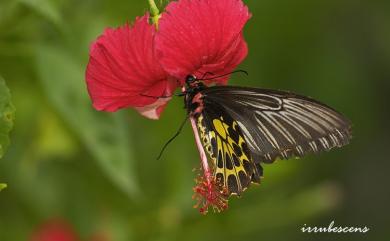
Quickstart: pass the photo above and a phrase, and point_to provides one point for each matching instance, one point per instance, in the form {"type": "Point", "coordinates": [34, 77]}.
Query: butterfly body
{"type": "Point", "coordinates": [240, 127]}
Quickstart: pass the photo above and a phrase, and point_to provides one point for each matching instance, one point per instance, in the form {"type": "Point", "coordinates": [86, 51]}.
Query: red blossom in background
{"type": "Point", "coordinates": [60, 230]}
{"type": "Point", "coordinates": [129, 63]}
{"type": "Point", "coordinates": [55, 230]}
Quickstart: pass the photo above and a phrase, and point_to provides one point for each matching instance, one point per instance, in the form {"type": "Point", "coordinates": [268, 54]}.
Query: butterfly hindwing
{"type": "Point", "coordinates": [233, 166]}
{"type": "Point", "coordinates": [278, 124]}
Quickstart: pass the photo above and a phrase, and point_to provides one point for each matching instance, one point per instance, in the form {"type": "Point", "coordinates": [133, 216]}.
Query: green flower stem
{"type": "Point", "coordinates": [2, 186]}
{"type": "Point", "coordinates": [154, 12]}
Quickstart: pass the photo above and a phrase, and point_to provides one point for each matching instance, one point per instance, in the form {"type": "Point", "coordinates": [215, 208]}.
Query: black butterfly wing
{"type": "Point", "coordinates": [233, 165]}
{"type": "Point", "coordinates": [278, 124]}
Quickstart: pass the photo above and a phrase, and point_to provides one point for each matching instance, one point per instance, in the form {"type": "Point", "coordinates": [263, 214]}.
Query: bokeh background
{"type": "Point", "coordinates": [96, 174]}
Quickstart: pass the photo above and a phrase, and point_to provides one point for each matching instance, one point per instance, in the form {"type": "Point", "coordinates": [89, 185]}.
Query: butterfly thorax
{"type": "Point", "coordinates": [193, 100]}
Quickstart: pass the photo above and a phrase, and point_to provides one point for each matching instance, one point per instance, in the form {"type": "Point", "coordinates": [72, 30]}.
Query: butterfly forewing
{"type": "Point", "coordinates": [276, 124]}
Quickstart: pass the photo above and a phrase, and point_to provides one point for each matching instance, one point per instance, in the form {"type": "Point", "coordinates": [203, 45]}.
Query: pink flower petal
{"type": "Point", "coordinates": [199, 36]}
{"type": "Point", "coordinates": [122, 68]}
{"type": "Point", "coordinates": [153, 111]}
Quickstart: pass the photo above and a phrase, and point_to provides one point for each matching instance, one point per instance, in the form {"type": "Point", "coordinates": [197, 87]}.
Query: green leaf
{"type": "Point", "coordinates": [44, 8]}
{"type": "Point", "coordinates": [2, 186]}
{"type": "Point", "coordinates": [104, 134]}
{"type": "Point", "coordinates": [7, 116]}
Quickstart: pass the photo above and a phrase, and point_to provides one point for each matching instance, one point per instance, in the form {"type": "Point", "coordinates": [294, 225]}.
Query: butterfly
{"type": "Point", "coordinates": [239, 128]}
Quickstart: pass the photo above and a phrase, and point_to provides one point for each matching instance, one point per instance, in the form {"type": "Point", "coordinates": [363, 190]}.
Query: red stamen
{"type": "Point", "coordinates": [209, 193]}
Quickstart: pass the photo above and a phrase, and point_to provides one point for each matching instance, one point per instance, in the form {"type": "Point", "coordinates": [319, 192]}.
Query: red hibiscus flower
{"type": "Point", "coordinates": [196, 37]}
{"type": "Point", "coordinates": [132, 66]}
{"type": "Point", "coordinates": [123, 70]}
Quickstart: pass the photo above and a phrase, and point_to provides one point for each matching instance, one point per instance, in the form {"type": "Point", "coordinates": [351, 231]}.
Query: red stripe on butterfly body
{"type": "Point", "coordinates": [202, 153]}
{"type": "Point", "coordinates": [198, 101]}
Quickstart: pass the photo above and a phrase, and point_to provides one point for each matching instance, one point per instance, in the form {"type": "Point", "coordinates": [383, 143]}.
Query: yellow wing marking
{"type": "Point", "coordinates": [220, 128]}
{"type": "Point", "coordinates": [229, 157]}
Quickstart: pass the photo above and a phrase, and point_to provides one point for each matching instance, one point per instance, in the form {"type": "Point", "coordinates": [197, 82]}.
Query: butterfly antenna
{"type": "Point", "coordinates": [156, 97]}
{"type": "Point", "coordinates": [162, 96]}
{"type": "Point", "coordinates": [173, 137]}
{"type": "Point", "coordinates": [236, 71]}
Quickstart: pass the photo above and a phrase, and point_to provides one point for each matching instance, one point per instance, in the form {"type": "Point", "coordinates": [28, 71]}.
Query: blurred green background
{"type": "Point", "coordinates": [98, 172]}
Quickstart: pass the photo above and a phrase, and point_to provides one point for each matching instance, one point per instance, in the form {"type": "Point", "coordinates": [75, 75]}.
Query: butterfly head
{"type": "Point", "coordinates": [191, 81]}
